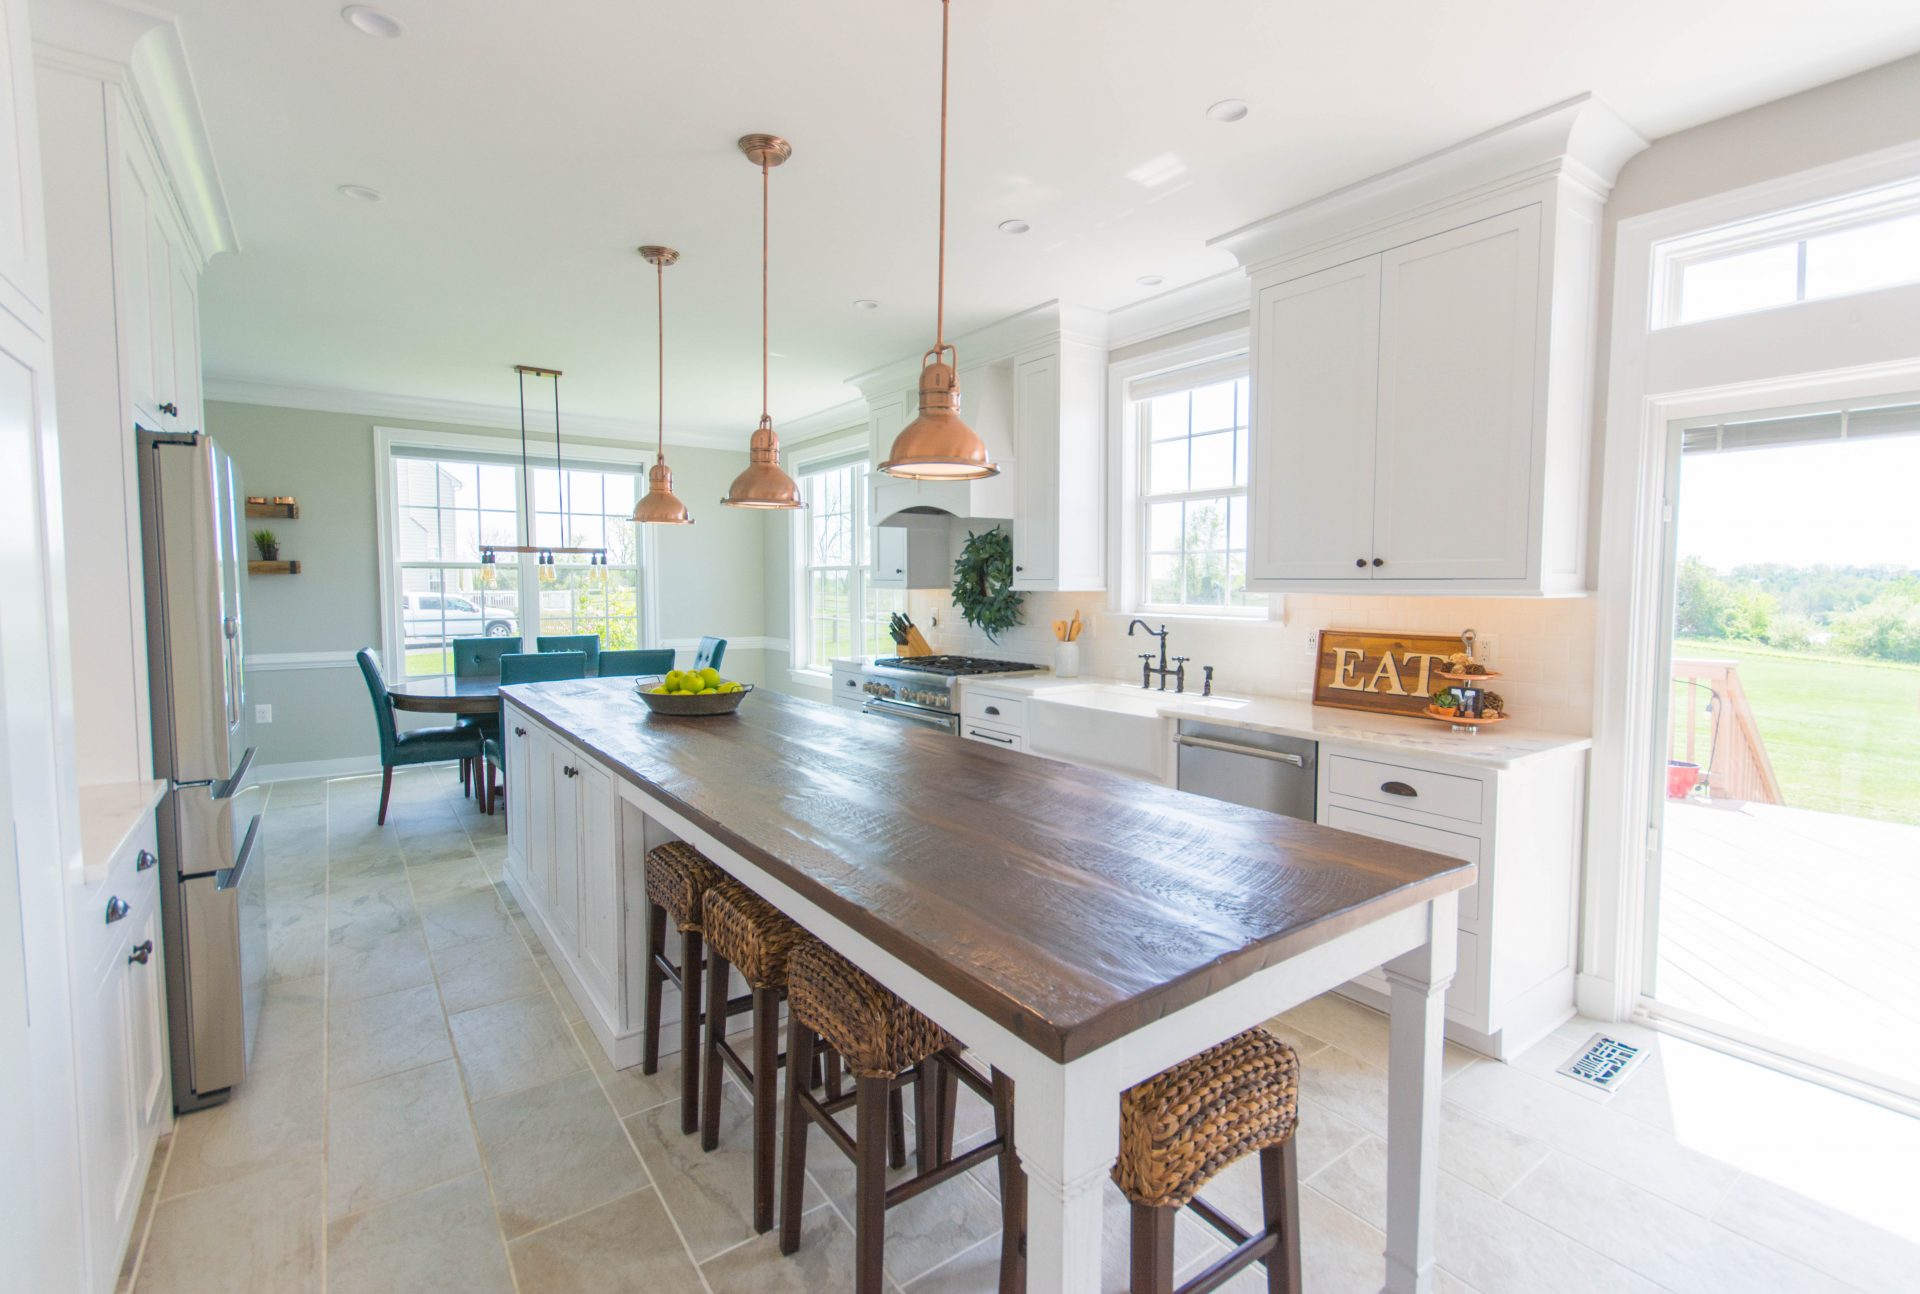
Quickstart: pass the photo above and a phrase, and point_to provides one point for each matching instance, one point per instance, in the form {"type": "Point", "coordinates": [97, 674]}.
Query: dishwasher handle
{"type": "Point", "coordinates": [1277, 756]}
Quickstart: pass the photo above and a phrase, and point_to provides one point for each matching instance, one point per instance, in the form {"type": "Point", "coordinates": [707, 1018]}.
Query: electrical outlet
{"type": "Point", "coordinates": [1310, 643]}
{"type": "Point", "coordinates": [1486, 650]}
{"type": "Point", "coordinates": [263, 714]}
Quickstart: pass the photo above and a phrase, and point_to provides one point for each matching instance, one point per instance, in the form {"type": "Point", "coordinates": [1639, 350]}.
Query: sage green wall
{"type": "Point", "coordinates": [709, 576]}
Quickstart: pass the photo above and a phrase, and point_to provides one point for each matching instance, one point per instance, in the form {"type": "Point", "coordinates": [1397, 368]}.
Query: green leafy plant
{"type": "Point", "coordinates": [1445, 699]}
{"type": "Point", "coordinates": [268, 545]}
{"type": "Point", "coordinates": [983, 582]}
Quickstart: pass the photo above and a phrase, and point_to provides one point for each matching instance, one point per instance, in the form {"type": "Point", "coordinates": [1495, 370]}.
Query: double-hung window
{"type": "Point", "coordinates": [837, 611]}
{"type": "Point", "coordinates": [1192, 428]}
{"type": "Point", "coordinates": [445, 505]}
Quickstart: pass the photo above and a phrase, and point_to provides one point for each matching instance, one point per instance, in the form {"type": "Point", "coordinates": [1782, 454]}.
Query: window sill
{"type": "Point", "coordinates": [822, 679]}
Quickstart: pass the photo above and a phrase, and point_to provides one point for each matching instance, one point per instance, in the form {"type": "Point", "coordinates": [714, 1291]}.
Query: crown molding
{"type": "Point", "coordinates": [845, 416]}
{"type": "Point", "coordinates": [459, 413]}
{"type": "Point", "coordinates": [1002, 339]}
{"type": "Point", "coordinates": [1218, 296]}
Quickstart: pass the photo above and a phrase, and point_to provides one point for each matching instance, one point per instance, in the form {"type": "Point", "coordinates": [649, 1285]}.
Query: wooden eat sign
{"type": "Point", "coordinates": [1382, 672]}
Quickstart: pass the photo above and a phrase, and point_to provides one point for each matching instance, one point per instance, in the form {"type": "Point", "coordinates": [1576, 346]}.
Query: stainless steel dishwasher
{"type": "Point", "coordinates": [1259, 769]}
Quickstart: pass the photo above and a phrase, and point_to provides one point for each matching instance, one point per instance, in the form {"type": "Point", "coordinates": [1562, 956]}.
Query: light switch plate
{"type": "Point", "coordinates": [263, 714]}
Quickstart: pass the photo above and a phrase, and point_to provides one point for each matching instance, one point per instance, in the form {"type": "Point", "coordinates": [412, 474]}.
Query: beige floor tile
{"type": "Point", "coordinates": [448, 878]}
{"type": "Point", "coordinates": [292, 1027]}
{"type": "Point", "coordinates": [1858, 1252]}
{"type": "Point", "coordinates": [384, 1035]}
{"type": "Point", "coordinates": [276, 1116]}
{"type": "Point", "coordinates": [709, 1194]}
{"type": "Point", "coordinates": [630, 1090]}
{"type": "Point", "coordinates": [364, 908]}
{"type": "Point", "coordinates": [1682, 1251]}
{"type": "Point", "coordinates": [300, 791]}
{"type": "Point", "coordinates": [514, 1044]}
{"type": "Point", "coordinates": [824, 1261]}
{"type": "Point", "coordinates": [486, 971]}
{"type": "Point", "coordinates": [394, 1135]}
{"type": "Point", "coordinates": [624, 1245]}
{"type": "Point", "coordinates": [377, 964]}
{"type": "Point", "coordinates": [1484, 1155]}
{"type": "Point", "coordinates": [452, 846]}
{"type": "Point", "coordinates": [1499, 1250]}
{"type": "Point", "coordinates": [463, 919]}
{"type": "Point", "coordinates": [260, 1234]}
{"type": "Point", "coordinates": [438, 1241]}
{"type": "Point", "coordinates": [143, 1214]}
{"type": "Point", "coordinates": [1335, 1081]}
{"type": "Point", "coordinates": [554, 1151]}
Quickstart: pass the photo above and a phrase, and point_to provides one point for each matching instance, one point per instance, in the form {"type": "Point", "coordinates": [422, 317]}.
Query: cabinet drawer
{"type": "Point", "coordinates": [991, 736]}
{"type": "Point", "coordinates": [1419, 836]}
{"type": "Point", "coordinates": [1008, 713]}
{"type": "Point", "coordinates": [97, 941]}
{"type": "Point", "coordinates": [1415, 789]}
{"type": "Point", "coordinates": [847, 693]}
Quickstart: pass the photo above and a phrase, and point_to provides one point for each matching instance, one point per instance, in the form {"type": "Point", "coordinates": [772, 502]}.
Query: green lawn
{"type": "Point", "coordinates": [1844, 734]}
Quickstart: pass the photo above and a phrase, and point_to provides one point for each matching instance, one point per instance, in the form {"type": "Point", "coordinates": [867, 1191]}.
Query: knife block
{"type": "Point", "coordinates": [915, 644]}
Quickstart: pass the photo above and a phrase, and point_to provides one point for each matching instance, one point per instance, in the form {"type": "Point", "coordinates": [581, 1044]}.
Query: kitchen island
{"type": "Point", "coordinates": [1078, 930]}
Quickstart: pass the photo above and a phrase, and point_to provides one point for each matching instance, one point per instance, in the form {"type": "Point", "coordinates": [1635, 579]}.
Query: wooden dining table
{"type": "Point", "coordinates": [469, 694]}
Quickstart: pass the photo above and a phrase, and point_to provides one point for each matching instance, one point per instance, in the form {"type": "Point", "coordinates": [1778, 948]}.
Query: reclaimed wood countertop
{"type": "Point", "coordinates": [1070, 905]}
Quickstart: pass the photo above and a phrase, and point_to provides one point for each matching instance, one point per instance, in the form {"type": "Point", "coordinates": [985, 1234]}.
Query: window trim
{"type": "Point", "coordinates": [451, 444]}
{"type": "Point", "coordinates": [822, 454]}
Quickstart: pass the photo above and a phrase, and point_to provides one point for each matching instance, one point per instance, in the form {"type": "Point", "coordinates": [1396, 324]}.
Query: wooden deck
{"type": "Point", "coordinates": [1795, 925]}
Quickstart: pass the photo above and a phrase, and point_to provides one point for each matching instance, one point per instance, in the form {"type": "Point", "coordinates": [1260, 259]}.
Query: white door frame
{"type": "Point", "coordinates": [1836, 349]}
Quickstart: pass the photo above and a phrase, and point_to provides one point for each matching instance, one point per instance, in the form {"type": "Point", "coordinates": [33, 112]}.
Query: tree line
{"type": "Point", "coordinates": [1866, 611]}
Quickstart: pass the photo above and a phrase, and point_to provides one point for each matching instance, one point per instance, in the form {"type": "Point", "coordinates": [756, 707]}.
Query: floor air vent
{"type": "Point", "coordinates": [1604, 1062]}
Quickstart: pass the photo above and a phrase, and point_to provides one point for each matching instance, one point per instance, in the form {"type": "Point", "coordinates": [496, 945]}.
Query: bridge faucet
{"type": "Point", "coordinates": [1148, 669]}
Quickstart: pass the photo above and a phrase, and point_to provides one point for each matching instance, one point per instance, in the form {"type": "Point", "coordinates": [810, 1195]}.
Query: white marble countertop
{"type": "Point", "coordinates": [109, 815]}
{"type": "Point", "coordinates": [1501, 747]}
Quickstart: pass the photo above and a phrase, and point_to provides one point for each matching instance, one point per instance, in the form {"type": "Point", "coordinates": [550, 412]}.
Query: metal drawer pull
{"type": "Point", "coordinates": [117, 909]}
{"type": "Point", "coordinates": [145, 861]}
{"type": "Point", "coordinates": [988, 736]}
{"type": "Point", "coordinates": [1277, 756]}
{"type": "Point", "coordinates": [141, 951]}
{"type": "Point", "coordinates": [1399, 788]}
{"type": "Point", "coordinates": [993, 709]}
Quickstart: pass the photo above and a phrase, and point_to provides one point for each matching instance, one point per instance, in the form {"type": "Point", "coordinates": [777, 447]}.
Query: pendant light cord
{"type": "Point", "coordinates": [766, 219]}
{"type": "Point", "coordinates": [561, 490]}
{"type": "Point", "coordinates": [940, 295]}
{"type": "Point", "coordinates": [526, 473]}
{"type": "Point", "coordinates": [660, 326]}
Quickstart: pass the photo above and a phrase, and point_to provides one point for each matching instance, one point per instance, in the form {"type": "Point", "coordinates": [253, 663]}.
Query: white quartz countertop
{"type": "Point", "coordinates": [1501, 747]}
{"type": "Point", "coordinates": [109, 815]}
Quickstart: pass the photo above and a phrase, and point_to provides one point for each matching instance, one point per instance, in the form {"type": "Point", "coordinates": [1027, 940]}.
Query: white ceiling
{"type": "Point", "coordinates": [524, 150]}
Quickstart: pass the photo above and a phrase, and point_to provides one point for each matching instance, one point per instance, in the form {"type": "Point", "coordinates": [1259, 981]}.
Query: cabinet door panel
{"type": "Point", "coordinates": [110, 1124]}
{"type": "Point", "coordinates": [513, 733]}
{"type": "Point", "coordinates": [159, 308]}
{"type": "Point", "coordinates": [132, 218]}
{"type": "Point", "coordinates": [1036, 526]}
{"type": "Point", "coordinates": [1312, 453]}
{"type": "Point", "coordinates": [563, 917]}
{"type": "Point", "coordinates": [538, 808]}
{"type": "Point", "coordinates": [601, 918]}
{"type": "Point", "coordinates": [147, 1063]}
{"type": "Point", "coordinates": [1458, 330]}
{"type": "Point", "coordinates": [186, 341]}
{"type": "Point", "coordinates": [889, 557]}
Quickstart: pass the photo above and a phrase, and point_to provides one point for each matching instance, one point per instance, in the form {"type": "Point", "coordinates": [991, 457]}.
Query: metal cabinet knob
{"type": "Point", "coordinates": [1019, 568]}
{"type": "Point", "coordinates": [117, 909]}
{"type": "Point", "coordinates": [145, 861]}
{"type": "Point", "coordinates": [1399, 788]}
{"type": "Point", "coordinates": [519, 731]}
{"type": "Point", "coordinates": [171, 409]}
{"type": "Point", "coordinates": [141, 952]}
{"type": "Point", "coordinates": [899, 570]}
{"type": "Point", "coordinates": [1361, 562]}
{"type": "Point", "coordinates": [570, 770]}
{"type": "Point", "coordinates": [1379, 561]}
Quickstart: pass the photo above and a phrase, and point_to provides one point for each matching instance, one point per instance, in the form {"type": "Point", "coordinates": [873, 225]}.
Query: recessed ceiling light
{"type": "Point", "coordinates": [1014, 226]}
{"type": "Point", "coordinates": [1149, 280]}
{"type": "Point", "coordinates": [371, 22]}
{"type": "Point", "coordinates": [361, 193]}
{"type": "Point", "coordinates": [866, 303]}
{"type": "Point", "coordinates": [1227, 110]}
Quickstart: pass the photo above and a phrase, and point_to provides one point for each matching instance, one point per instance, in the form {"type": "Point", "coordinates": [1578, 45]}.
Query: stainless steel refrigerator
{"type": "Point", "coordinates": [212, 875]}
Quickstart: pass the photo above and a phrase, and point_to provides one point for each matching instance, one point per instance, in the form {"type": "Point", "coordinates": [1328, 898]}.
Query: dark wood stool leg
{"type": "Point", "coordinates": [690, 982]}
{"type": "Point", "coordinates": [1013, 1189]}
{"type": "Point", "coordinates": [896, 1126]}
{"type": "Point", "coordinates": [927, 1080]}
{"type": "Point", "coordinates": [949, 1112]}
{"type": "Point", "coordinates": [793, 1161]}
{"type": "Point", "coordinates": [1152, 1248]}
{"type": "Point", "coordinates": [766, 1100]}
{"type": "Point", "coordinates": [1280, 1201]}
{"type": "Point", "coordinates": [655, 980]}
{"type": "Point", "coordinates": [875, 1100]}
{"type": "Point", "coordinates": [710, 1064]}
{"type": "Point", "coordinates": [833, 1075]}
{"type": "Point", "coordinates": [386, 791]}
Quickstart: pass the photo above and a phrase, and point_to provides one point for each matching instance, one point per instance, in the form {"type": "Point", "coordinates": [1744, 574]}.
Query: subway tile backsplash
{"type": "Point", "coordinates": [1543, 648]}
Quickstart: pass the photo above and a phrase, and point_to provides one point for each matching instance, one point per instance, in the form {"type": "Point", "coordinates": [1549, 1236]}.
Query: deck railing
{"type": "Point", "coordinates": [1714, 726]}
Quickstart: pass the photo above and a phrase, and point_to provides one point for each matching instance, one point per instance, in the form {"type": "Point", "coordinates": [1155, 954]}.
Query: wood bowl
{"type": "Point", "coordinates": [674, 703]}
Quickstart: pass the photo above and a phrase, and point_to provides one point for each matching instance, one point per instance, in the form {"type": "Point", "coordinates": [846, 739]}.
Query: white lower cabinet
{"type": "Point", "coordinates": [993, 718]}
{"type": "Point", "coordinates": [567, 866]}
{"type": "Point", "coordinates": [1521, 826]}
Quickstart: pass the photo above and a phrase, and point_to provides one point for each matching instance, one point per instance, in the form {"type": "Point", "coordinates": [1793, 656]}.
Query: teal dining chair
{"type": "Point", "coordinates": [587, 644]}
{"type": "Point", "coordinates": [462, 741]}
{"type": "Point", "coordinates": [710, 653]}
{"type": "Point", "coordinates": [480, 657]}
{"type": "Point", "coordinates": [523, 667]}
{"type": "Point", "coordinates": [645, 660]}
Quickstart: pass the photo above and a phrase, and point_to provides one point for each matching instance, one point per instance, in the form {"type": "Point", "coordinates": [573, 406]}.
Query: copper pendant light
{"type": "Point", "coordinates": [938, 446]}
{"type": "Point", "coordinates": [764, 484]}
{"type": "Point", "coordinates": [659, 505]}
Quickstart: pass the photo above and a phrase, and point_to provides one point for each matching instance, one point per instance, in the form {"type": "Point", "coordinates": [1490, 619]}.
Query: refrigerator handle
{"type": "Point", "coordinates": [221, 788]}
{"type": "Point", "coordinates": [228, 878]}
{"type": "Point", "coordinates": [230, 628]}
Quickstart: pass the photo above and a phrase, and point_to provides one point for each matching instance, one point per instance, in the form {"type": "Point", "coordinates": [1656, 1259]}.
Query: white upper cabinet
{"type": "Point", "coordinates": [1423, 366]}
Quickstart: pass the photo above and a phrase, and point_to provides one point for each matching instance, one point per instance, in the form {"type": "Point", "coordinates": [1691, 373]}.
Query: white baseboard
{"type": "Point", "coordinates": [352, 766]}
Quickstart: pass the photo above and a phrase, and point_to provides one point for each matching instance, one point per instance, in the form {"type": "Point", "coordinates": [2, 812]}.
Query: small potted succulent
{"type": "Point", "coordinates": [268, 545]}
{"type": "Point", "coordinates": [1445, 701]}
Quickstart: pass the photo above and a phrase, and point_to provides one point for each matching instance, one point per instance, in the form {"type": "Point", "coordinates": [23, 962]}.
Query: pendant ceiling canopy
{"type": "Point", "coordinates": [765, 484]}
{"type": "Point", "coordinates": [659, 506]}
{"type": "Point", "coordinates": [937, 445]}
{"type": "Point", "coordinates": [490, 553]}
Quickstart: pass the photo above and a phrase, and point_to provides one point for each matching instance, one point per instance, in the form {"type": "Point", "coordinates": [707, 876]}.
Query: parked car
{"type": "Point", "coordinates": [429, 617]}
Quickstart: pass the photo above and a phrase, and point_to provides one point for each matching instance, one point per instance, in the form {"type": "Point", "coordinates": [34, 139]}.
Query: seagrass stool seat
{"type": "Point", "coordinates": [746, 933]}
{"type": "Point", "coordinates": [886, 1044]}
{"type": "Point", "coordinates": [677, 877]}
{"type": "Point", "coordinates": [1182, 1126]}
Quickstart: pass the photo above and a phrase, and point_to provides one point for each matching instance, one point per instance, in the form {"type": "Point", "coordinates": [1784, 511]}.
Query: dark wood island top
{"type": "Point", "coordinates": [1070, 905]}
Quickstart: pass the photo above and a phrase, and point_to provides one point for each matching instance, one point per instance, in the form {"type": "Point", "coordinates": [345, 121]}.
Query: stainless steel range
{"type": "Point", "coordinates": [919, 689]}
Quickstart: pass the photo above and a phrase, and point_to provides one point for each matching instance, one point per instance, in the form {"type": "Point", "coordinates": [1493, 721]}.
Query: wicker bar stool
{"type": "Point", "coordinates": [678, 877]}
{"type": "Point", "coordinates": [885, 1043]}
{"type": "Point", "coordinates": [1181, 1127]}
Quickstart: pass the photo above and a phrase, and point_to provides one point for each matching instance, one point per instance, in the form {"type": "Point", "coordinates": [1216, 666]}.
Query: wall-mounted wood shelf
{"type": "Point", "coordinates": [273, 568]}
{"type": "Point", "coordinates": [274, 511]}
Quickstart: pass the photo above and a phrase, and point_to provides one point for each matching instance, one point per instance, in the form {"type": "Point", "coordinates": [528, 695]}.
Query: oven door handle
{"type": "Point", "coordinates": [894, 710]}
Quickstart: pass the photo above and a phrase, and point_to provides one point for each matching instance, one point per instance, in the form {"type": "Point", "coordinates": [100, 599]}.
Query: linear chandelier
{"type": "Point", "coordinates": [545, 553]}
